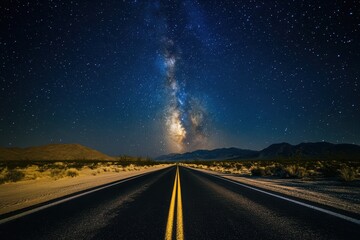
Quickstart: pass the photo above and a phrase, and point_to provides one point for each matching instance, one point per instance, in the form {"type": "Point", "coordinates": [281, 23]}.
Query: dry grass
{"type": "Point", "coordinates": [342, 170]}
{"type": "Point", "coordinates": [25, 170]}
{"type": "Point", "coordinates": [348, 174]}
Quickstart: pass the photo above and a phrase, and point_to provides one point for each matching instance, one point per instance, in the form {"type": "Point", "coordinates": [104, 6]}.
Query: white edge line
{"type": "Point", "coordinates": [350, 219]}
{"type": "Point", "coordinates": [68, 199]}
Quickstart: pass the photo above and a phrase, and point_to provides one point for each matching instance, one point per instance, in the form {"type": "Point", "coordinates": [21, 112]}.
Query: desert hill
{"type": "Point", "coordinates": [53, 152]}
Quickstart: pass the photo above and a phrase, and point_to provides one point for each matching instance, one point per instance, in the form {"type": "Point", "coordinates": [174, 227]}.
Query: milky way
{"type": "Point", "coordinates": [158, 76]}
{"type": "Point", "coordinates": [185, 117]}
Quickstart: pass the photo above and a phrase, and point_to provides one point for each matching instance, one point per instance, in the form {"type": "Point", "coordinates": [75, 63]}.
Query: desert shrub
{"type": "Point", "coordinates": [31, 172]}
{"type": "Point", "coordinates": [32, 176]}
{"type": "Point", "coordinates": [42, 168]}
{"type": "Point", "coordinates": [328, 170]}
{"type": "Point", "coordinates": [294, 171]}
{"type": "Point", "coordinates": [58, 165]}
{"type": "Point", "coordinates": [301, 172]}
{"type": "Point", "coordinates": [13, 176]}
{"type": "Point", "coordinates": [290, 171]}
{"type": "Point", "coordinates": [130, 167]}
{"type": "Point", "coordinates": [269, 170]}
{"type": "Point", "coordinates": [93, 166]}
{"type": "Point", "coordinates": [279, 171]}
{"type": "Point", "coordinates": [264, 171]}
{"type": "Point", "coordinates": [72, 172]}
{"type": "Point", "coordinates": [238, 167]}
{"type": "Point", "coordinates": [312, 172]}
{"type": "Point", "coordinates": [78, 165]}
{"type": "Point", "coordinates": [347, 173]}
{"type": "Point", "coordinates": [106, 169]}
{"type": "Point", "coordinates": [258, 171]}
{"type": "Point", "coordinates": [56, 173]}
{"type": "Point", "coordinates": [247, 164]}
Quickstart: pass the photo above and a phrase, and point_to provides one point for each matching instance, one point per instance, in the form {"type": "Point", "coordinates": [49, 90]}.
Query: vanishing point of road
{"type": "Point", "coordinates": [179, 203]}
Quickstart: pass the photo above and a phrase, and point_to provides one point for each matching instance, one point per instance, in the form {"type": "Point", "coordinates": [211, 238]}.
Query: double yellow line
{"type": "Point", "coordinates": [179, 215]}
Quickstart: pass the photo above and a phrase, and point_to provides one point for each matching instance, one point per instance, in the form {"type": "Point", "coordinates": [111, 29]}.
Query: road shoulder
{"type": "Point", "coordinates": [328, 193]}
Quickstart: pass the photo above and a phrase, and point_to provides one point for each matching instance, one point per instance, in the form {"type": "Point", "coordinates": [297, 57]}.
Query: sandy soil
{"type": "Point", "coordinates": [18, 195]}
{"type": "Point", "coordinates": [328, 192]}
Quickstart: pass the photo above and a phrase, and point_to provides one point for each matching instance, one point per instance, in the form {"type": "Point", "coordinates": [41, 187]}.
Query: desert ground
{"type": "Point", "coordinates": [41, 183]}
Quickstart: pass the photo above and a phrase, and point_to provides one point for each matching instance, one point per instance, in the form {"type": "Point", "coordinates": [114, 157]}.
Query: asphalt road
{"type": "Point", "coordinates": [182, 203]}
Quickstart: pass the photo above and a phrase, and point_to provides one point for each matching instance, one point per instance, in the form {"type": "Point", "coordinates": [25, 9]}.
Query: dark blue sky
{"type": "Point", "coordinates": [152, 77]}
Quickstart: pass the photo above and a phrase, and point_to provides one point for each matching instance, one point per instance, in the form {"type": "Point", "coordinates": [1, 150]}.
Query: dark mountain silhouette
{"type": "Point", "coordinates": [53, 152]}
{"type": "Point", "coordinates": [318, 150]}
{"type": "Point", "coordinates": [216, 154]}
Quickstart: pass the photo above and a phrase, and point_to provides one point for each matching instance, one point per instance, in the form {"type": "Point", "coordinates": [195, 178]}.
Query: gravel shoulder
{"type": "Point", "coordinates": [328, 192]}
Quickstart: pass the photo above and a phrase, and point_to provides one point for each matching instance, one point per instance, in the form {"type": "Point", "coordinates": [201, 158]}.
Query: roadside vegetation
{"type": "Point", "coordinates": [14, 171]}
{"type": "Point", "coordinates": [346, 171]}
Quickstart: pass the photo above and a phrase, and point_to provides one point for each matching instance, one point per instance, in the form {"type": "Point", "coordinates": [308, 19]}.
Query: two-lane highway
{"type": "Point", "coordinates": [179, 203]}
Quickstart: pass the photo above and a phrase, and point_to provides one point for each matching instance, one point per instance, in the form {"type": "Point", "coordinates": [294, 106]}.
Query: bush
{"type": "Point", "coordinates": [13, 176]}
{"type": "Point", "coordinates": [72, 172]}
{"type": "Point", "coordinates": [294, 171]}
{"type": "Point", "coordinates": [347, 174]}
{"type": "Point", "coordinates": [248, 164]}
{"type": "Point", "coordinates": [238, 167]}
{"type": "Point", "coordinates": [258, 171]}
{"type": "Point", "coordinates": [278, 171]}
{"type": "Point", "coordinates": [56, 173]}
{"type": "Point", "coordinates": [329, 170]}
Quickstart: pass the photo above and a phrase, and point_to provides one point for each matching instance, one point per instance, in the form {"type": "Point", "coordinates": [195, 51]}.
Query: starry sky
{"type": "Point", "coordinates": [158, 76]}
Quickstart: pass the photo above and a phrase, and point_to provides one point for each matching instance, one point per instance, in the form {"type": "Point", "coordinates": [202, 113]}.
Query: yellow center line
{"type": "Point", "coordinates": [179, 223]}
{"type": "Point", "coordinates": [179, 215]}
{"type": "Point", "coordinates": [170, 221]}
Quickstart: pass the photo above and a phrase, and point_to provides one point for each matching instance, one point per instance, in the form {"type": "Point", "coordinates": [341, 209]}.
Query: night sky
{"type": "Point", "coordinates": [153, 77]}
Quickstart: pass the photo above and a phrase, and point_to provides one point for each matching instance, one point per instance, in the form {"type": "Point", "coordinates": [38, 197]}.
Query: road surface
{"type": "Point", "coordinates": [179, 203]}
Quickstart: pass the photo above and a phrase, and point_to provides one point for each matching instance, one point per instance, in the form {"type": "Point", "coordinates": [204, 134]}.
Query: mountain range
{"type": "Point", "coordinates": [318, 150]}
{"type": "Point", "coordinates": [216, 154]}
{"type": "Point", "coordinates": [52, 152]}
